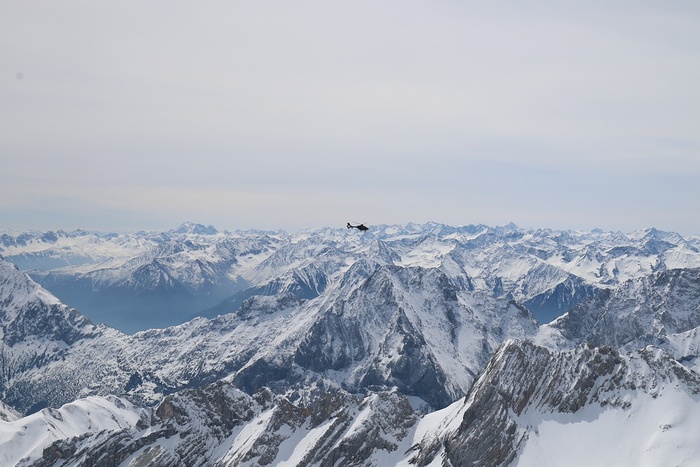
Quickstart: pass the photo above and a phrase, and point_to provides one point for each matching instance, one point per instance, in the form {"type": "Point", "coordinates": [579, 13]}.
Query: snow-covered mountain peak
{"type": "Point", "coordinates": [195, 229]}
{"type": "Point", "coordinates": [17, 290]}
{"type": "Point", "coordinates": [31, 314]}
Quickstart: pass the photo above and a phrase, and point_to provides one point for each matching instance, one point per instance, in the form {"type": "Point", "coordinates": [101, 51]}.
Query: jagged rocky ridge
{"type": "Point", "coordinates": [640, 312]}
{"type": "Point", "coordinates": [525, 385]}
{"type": "Point", "coordinates": [401, 324]}
{"type": "Point", "coordinates": [220, 425]}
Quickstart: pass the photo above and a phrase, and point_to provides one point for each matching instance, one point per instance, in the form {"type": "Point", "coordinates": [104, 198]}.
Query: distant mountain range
{"type": "Point", "coordinates": [150, 280]}
{"type": "Point", "coordinates": [403, 345]}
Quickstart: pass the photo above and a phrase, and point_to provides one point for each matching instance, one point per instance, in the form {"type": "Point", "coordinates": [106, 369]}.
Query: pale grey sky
{"type": "Point", "coordinates": [122, 115]}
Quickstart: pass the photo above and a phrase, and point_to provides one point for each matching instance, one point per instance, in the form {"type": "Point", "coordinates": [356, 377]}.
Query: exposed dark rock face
{"type": "Point", "coordinates": [640, 312]}
{"type": "Point", "coordinates": [55, 322]}
{"type": "Point", "coordinates": [415, 371]}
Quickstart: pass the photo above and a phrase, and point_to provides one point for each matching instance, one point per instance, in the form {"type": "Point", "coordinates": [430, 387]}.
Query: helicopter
{"type": "Point", "coordinates": [361, 227]}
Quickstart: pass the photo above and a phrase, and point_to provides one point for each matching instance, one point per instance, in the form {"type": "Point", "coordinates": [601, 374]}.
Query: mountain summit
{"type": "Point", "coordinates": [195, 229]}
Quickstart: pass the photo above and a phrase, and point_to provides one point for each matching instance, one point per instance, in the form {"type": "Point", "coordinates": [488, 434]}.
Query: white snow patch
{"type": "Point", "coordinates": [292, 450]}
{"type": "Point", "coordinates": [661, 431]}
{"type": "Point", "coordinates": [244, 439]}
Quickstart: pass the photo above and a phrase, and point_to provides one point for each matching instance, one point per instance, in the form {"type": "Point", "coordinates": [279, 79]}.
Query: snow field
{"type": "Point", "coordinates": [653, 432]}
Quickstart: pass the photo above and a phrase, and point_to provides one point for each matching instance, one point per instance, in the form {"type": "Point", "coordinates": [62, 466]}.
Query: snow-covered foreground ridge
{"type": "Point", "coordinates": [409, 345]}
{"type": "Point", "coordinates": [531, 406]}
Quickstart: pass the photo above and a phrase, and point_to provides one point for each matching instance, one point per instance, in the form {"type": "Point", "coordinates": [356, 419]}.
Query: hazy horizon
{"type": "Point", "coordinates": [11, 231]}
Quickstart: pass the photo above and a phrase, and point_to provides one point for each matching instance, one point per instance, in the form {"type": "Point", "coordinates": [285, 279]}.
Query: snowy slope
{"type": "Point", "coordinates": [8, 414]}
{"type": "Point", "coordinates": [25, 439]}
{"type": "Point", "coordinates": [29, 312]}
{"type": "Point", "coordinates": [656, 430]}
{"type": "Point", "coordinates": [652, 418]}
{"type": "Point", "coordinates": [37, 333]}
